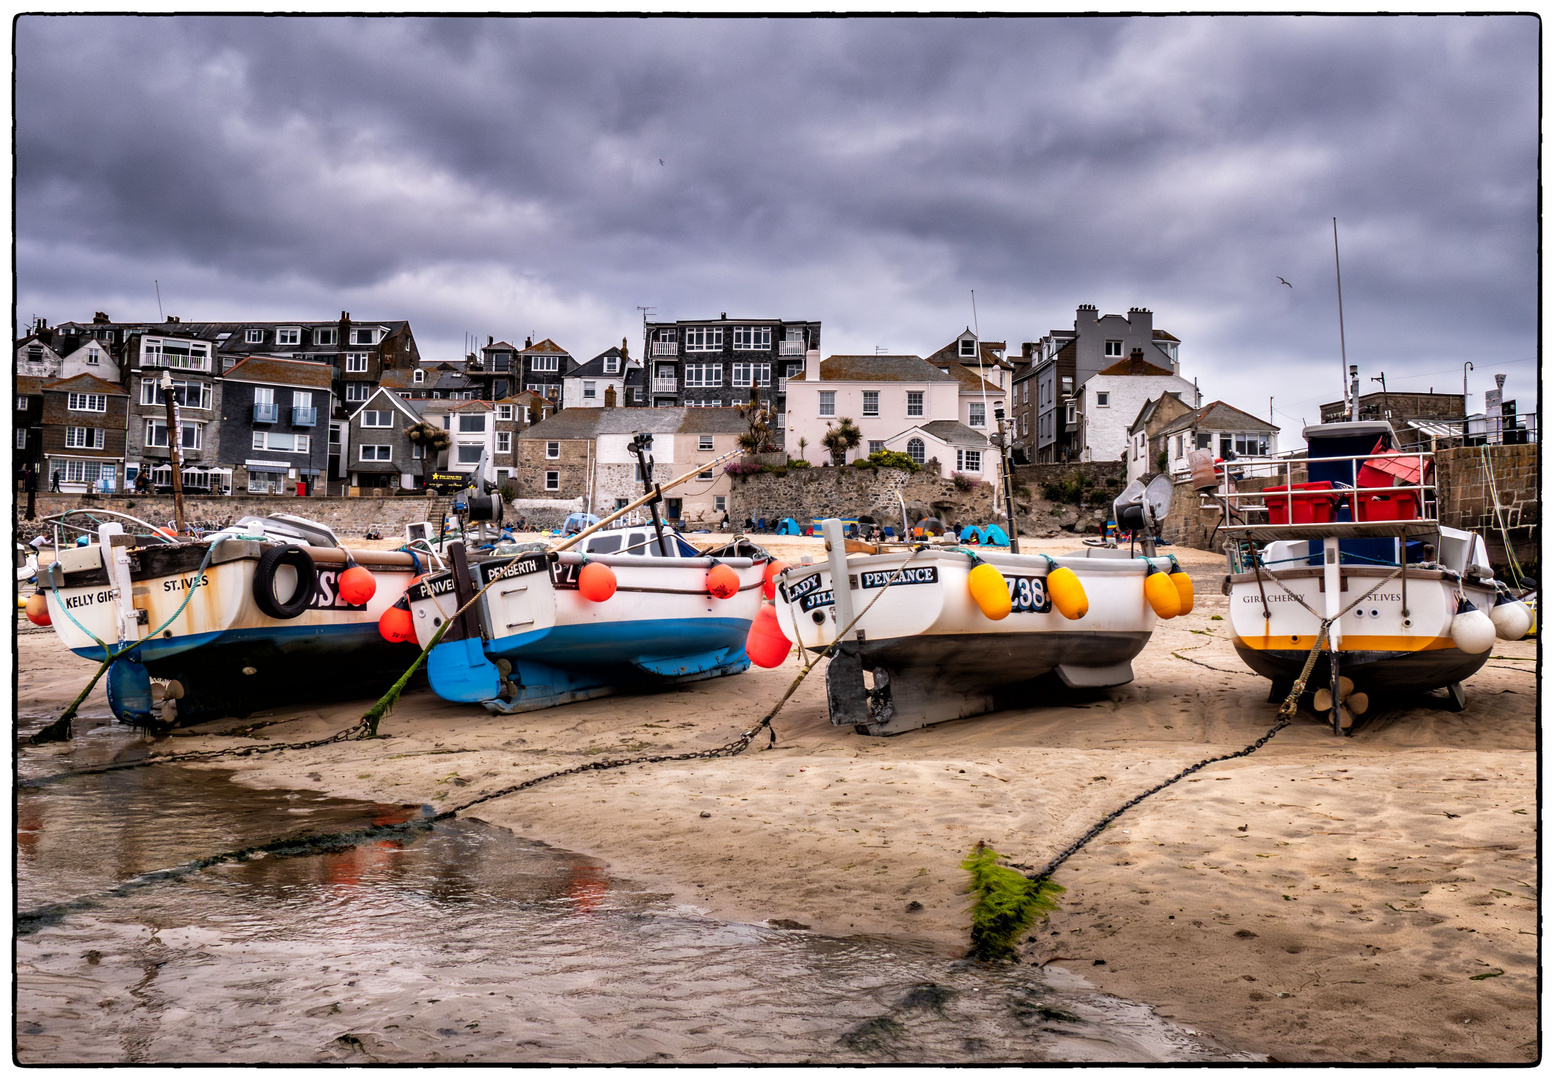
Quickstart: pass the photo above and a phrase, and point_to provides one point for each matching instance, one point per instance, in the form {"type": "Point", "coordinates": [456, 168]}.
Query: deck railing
{"type": "Point", "coordinates": [1243, 483]}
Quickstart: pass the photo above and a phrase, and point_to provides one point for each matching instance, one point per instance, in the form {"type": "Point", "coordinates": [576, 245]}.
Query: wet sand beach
{"type": "Point", "coordinates": [1367, 899]}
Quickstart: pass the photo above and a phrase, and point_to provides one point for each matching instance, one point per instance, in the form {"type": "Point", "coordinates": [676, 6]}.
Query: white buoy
{"type": "Point", "coordinates": [1512, 620]}
{"type": "Point", "coordinates": [1472, 632]}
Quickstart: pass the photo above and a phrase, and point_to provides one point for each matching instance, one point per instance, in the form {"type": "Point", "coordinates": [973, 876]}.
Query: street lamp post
{"type": "Point", "coordinates": [1467, 366]}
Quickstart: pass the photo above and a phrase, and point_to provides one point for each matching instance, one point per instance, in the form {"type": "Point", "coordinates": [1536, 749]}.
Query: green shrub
{"type": "Point", "coordinates": [1070, 489]}
{"type": "Point", "coordinates": [893, 459]}
{"type": "Point", "coordinates": [798, 463]}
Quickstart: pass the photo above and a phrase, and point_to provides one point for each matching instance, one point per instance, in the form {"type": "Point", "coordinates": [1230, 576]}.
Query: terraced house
{"type": "Point", "coordinates": [83, 433]}
{"type": "Point", "coordinates": [187, 365]}
{"type": "Point", "coordinates": [274, 430]}
{"type": "Point", "coordinates": [716, 362]}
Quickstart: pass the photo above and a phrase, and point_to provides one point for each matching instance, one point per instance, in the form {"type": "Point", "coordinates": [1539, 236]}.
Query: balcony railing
{"type": "Point", "coordinates": [790, 348]}
{"type": "Point", "coordinates": [665, 386]}
{"type": "Point", "coordinates": [782, 384]}
{"type": "Point", "coordinates": [266, 414]}
{"type": "Point", "coordinates": [666, 348]}
{"type": "Point", "coordinates": [304, 416]}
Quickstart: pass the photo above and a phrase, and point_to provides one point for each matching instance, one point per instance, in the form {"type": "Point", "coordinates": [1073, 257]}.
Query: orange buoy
{"type": "Point", "coordinates": [1067, 593]}
{"type": "Point", "coordinates": [1161, 593]}
{"type": "Point", "coordinates": [1183, 585]}
{"type": "Point", "coordinates": [396, 622]}
{"type": "Point", "coordinates": [356, 585]}
{"type": "Point", "coordinates": [596, 582]}
{"type": "Point", "coordinates": [38, 610]}
{"type": "Point", "coordinates": [989, 590]}
{"type": "Point", "coordinates": [722, 582]}
{"type": "Point", "coordinates": [769, 579]}
{"type": "Point", "coordinates": [766, 644]}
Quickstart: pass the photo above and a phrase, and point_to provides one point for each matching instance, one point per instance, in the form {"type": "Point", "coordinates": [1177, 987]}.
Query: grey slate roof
{"type": "Point", "coordinates": [954, 433]}
{"type": "Point", "coordinates": [904, 368]}
{"type": "Point", "coordinates": [578, 423]}
{"type": "Point", "coordinates": [1217, 416]}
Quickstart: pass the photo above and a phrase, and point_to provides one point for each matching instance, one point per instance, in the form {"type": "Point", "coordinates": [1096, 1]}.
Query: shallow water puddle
{"type": "Point", "coordinates": [464, 944]}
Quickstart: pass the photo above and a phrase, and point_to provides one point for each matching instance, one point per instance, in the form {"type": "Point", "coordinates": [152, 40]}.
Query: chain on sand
{"type": "Point", "coordinates": [1286, 715]}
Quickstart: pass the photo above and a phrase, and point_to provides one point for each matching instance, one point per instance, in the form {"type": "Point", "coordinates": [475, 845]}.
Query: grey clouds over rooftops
{"type": "Point", "coordinates": [503, 177]}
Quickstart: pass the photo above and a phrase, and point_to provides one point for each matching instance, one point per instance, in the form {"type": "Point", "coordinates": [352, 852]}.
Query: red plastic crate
{"type": "Point", "coordinates": [1293, 509]}
{"type": "Point", "coordinates": [1387, 506]}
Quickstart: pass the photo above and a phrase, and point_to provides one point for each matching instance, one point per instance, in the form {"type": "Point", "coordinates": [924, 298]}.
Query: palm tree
{"type": "Point", "coordinates": [757, 418]}
{"type": "Point", "coordinates": [841, 437]}
{"type": "Point", "coordinates": [432, 440]}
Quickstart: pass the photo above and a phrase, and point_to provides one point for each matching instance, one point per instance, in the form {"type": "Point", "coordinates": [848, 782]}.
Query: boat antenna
{"type": "Point", "coordinates": [1343, 352]}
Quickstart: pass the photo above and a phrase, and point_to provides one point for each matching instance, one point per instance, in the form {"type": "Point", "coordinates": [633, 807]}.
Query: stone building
{"type": "Point", "coordinates": [380, 455]}
{"type": "Point", "coordinates": [541, 367]}
{"type": "Point", "coordinates": [1111, 399]}
{"type": "Point", "coordinates": [585, 453]}
{"type": "Point", "coordinates": [1223, 430]}
{"type": "Point", "coordinates": [1400, 408]}
{"type": "Point", "coordinates": [1146, 443]}
{"type": "Point", "coordinates": [600, 382]}
{"type": "Point", "coordinates": [28, 428]}
{"type": "Point", "coordinates": [189, 363]}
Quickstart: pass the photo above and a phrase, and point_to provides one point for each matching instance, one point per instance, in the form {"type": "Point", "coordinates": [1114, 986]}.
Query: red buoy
{"type": "Point", "coordinates": [38, 610]}
{"type": "Point", "coordinates": [596, 582]}
{"type": "Point", "coordinates": [766, 644]}
{"type": "Point", "coordinates": [356, 585]}
{"type": "Point", "coordinates": [396, 623]}
{"type": "Point", "coordinates": [769, 580]}
{"type": "Point", "coordinates": [722, 582]}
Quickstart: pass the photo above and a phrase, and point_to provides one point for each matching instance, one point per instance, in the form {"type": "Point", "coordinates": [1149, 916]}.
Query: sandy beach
{"type": "Point", "coordinates": [1367, 899]}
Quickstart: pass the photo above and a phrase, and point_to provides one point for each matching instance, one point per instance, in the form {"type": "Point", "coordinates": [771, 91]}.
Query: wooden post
{"type": "Point", "coordinates": [174, 450]}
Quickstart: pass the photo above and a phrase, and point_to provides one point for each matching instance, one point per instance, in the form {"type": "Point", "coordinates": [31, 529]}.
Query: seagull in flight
{"type": "Point", "coordinates": [660, 161]}
{"type": "Point", "coordinates": [1281, 280]}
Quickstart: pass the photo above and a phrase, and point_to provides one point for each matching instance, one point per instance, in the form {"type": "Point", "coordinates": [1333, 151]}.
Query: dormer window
{"type": "Point", "coordinates": [418, 376]}
{"type": "Point", "coordinates": [326, 335]}
{"type": "Point", "coordinates": [288, 335]}
{"type": "Point", "coordinates": [364, 336]}
{"type": "Point", "coordinates": [612, 365]}
{"type": "Point", "coordinates": [968, 347]}
{"type": "Point", "coordinates": [254, 337]}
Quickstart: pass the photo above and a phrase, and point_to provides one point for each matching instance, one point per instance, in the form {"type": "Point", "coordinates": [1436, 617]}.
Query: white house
{"type": "Point", "coordinates": [956, 447]}
{"type": "Point", "coordinates": [1110, 400]}
{"type": "Point", "coordinates": [883, 395]}
{"type": "Point", "coordinates": [35, 357]}
{"type": "Point", "coordinates": [473, 427]}
{"type": "Point", "coordinates": [1222, 429]}
{"type": "Point", "coordinates": [589, 385]}
{"type": "Point", "coordinates": [92, 358]}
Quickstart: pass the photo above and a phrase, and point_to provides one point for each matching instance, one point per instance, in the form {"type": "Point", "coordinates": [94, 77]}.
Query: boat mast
{"type": "Point", "coordinates": [1351, 403]}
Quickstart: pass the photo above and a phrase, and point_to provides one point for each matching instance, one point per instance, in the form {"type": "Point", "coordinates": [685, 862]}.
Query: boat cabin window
{"type": "Point", "coordinates": [604, 545]}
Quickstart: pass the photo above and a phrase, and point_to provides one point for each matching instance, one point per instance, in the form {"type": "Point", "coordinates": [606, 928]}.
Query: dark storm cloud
{"type": "Point", "coordinates": [504, 175]}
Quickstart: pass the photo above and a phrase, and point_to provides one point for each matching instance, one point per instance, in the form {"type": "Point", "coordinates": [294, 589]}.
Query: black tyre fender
{"type": "Point", "coordinates": [264, 581]}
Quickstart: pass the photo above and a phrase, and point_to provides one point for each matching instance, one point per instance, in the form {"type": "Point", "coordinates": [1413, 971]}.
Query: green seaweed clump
{"type": "Point", "coordinates": [1004, 904]}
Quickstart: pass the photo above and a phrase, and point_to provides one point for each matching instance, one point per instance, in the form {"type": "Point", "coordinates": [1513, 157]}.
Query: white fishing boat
{"type": "Point", "coordinates": [251, 617]}
{"type": "Point", "coordinates": [943, 638]}
{"type": "Point", "coordinates": [632, 609]}
{"type": "Point", "coordinates": [1356, 538]}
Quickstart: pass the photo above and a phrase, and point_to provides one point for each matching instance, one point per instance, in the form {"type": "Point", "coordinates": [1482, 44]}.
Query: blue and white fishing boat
{"type": "Point", "coordinates": [631, 610]}
{"type": "Point", "coordinates": [634, 607]}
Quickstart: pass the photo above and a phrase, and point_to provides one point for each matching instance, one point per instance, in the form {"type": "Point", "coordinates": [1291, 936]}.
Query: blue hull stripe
{"type": "Point", "coordinates": [589, 644]}
{"type": "Point", "coordinates": [289, 638]}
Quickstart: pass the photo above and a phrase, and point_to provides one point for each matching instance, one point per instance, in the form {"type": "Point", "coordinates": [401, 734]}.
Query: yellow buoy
{"type": "Point", "coordinates": [989, 590]}
{"type": "Point", "coordinates": [1160, 591]}
{"type": "Point", "coordinates": [1183, 585]}
{"type": "Point", "coordinates": [1067, 593]}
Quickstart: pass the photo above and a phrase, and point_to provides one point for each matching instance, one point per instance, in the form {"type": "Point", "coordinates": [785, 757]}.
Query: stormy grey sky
{"type": "Point", "coordinates": [545, 176]}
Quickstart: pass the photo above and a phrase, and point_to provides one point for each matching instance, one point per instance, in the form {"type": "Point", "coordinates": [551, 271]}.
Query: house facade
{"type": "Point", "coordinates": [494, 373]}
{"type": "Point", "coordinates": [189, 364]}
{"type": "Point", "coordinates": [954, 446]}
{"type": "Point", "coordinates": [380, 455]}
{"type": "Point", "coordinates": [1222, 429]}
{"type": "Point", "coordinates": [1109, 401]}
{"type": "Point", "coordinates": [600, 382]}
{"type": "Point", "coordinates": [1146, 444]}
{"type": "Point", "coordinates": [83, 426]}
{"type": "Point", "coordinates": [542, 367]}
{"type": "Point", "coordinates": [36, 358]}
{"type": "Point", "coordinates": [274, 425]}
{"type": "Point", "coordinates": [1063, 360]}
{"type": "Point", "coordinates": [716, 362]}
{"type": "Point", "coordinates": [585, 453]}
{"type": "Point", "coordinates": [884, 395]}
{"type": "Point", "coordinates": [27, 428]}
{"type": "Point", "coordinates": [473, 427]}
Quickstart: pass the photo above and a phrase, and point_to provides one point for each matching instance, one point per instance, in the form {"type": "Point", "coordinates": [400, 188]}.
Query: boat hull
{"type": "Point", "coordinates": [229, 657]}
{"type": "Point", "coordinates": [542, 643]}
{"type": "Point", "coordinates": [934, 656]}
{"type": "Point", "coordinates": [1379, 647]}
